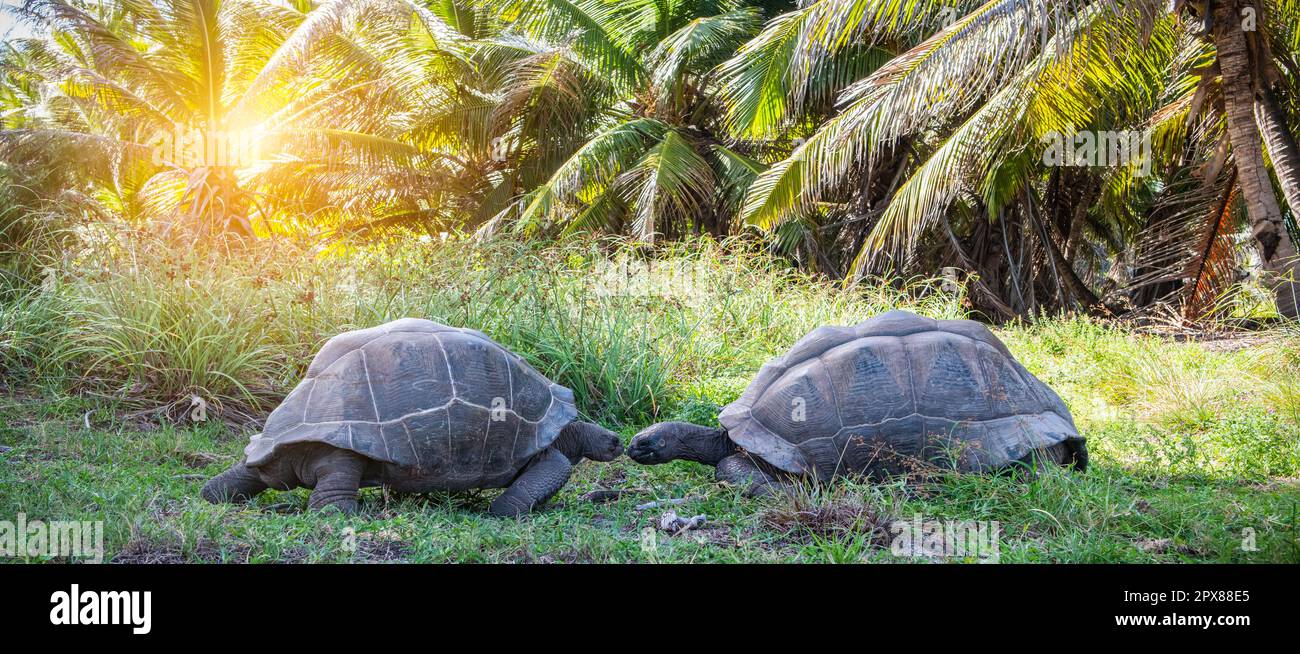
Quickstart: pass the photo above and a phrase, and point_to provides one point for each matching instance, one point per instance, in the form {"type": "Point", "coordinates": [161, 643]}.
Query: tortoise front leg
{"type": "Point", "coordinates": [338, 477]}
{"type": "Point", "coordinates": [238, 484]}
{"type": "Point", "coordinates": [742, 471]}
{"type": "Point", "coordinates": [542, 478]}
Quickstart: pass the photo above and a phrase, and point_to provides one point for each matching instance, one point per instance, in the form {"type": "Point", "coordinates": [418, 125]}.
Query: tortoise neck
{"type": "Point", "coordinates": [705, 445]}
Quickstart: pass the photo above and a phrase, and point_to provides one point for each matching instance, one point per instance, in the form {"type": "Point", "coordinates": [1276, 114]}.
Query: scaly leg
{"type": "Point", "coordinates": [542, 478]}
{"type": "Point", "coordinates": [238, 484]}
{"type": "Point", "coordinates": [338, 477]}
{"type": "Point", "coordinates": [741, 470]}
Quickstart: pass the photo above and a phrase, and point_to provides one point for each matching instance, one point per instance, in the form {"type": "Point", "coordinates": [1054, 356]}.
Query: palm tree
{"type": "Point", "coordinates": [498, 103]}
{"type": "Point", "coordinates": [351, 105]}
{"type": "Point", "coordinates": [1244, 65]}
{"type": "Point", "coordinates": [967, 110]}
{"type": "Point", "coordinates": [371, 121]}
{"type": "Point", "coordinates": [656, 162]}
{"type": "Point", "coordinates": [151, 86]}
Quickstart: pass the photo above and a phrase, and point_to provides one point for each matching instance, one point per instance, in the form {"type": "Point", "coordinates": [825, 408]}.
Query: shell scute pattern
{"type": "Point", "coordinates": [406, 374]}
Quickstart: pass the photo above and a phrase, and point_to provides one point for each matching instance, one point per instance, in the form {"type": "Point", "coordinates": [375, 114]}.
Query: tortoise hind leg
{"type": "Point", "coordinates": [238, 484]}
{"type": "Point", "coordinates": [1078, 455]}
{"type": "Point", "coordinates": [338, 477]}
{"type": "Point", "coordinates": [1059, 454]}
{"type": "Point", "coordinates": [1046, 458]}
{"type": "Point", "coordinates": [541, 479]}
{"type": "Point", "coordinates": [1072, 454]}
{"type": "Point", "coordinates": [741, 470]}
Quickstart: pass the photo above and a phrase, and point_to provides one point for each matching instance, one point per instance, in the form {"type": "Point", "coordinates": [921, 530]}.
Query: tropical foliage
{"type": "Point", "coordinates": [1116, 156]}
{"type": "Point", "coordinates": [957, 128]}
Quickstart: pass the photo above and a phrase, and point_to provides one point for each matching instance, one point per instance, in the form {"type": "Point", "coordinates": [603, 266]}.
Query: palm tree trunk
{"type": "Point", "coordinates": [1276, 250]}
{"type": "Point", "coordinates": [1281, 147]}
{"type": "Point", "coordinates": [1077, 287]}
{"type": "Point", "coordinates": [1079, 219]}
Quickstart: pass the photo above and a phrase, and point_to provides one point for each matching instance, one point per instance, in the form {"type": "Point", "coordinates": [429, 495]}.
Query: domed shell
{"type": "Point", "coordinates": [448, 402]}
{"type": "Point", "coordinates": [892, 388]}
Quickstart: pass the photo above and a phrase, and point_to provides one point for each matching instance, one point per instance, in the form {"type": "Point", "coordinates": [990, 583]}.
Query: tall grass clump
{"type": "Point", "coordinates": [162, 328]}
{"type": "Point", "coordinates": [631, 331]}
{"type": "Point", "coordinates": [31, 304]}
{"type": "Point", "coordinates": [32, 329]}
{"type": "Point", "coordinates": [1220, 409]}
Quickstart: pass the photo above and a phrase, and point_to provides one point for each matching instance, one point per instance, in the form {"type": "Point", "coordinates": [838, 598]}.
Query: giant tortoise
{"type": "Point", "coordinates": [417, 406]}
{"type": "Point", "coordinates": [876, 399]}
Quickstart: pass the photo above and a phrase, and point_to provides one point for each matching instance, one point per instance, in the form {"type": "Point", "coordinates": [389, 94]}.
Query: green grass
{"type": "Point", "coordinates": [1192, 443]}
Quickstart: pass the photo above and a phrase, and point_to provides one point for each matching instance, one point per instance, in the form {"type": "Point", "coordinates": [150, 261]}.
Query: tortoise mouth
{"type": "Point", "coordinates": [612, 452]}
{"type": "Point", "coordinates": [642, 453]}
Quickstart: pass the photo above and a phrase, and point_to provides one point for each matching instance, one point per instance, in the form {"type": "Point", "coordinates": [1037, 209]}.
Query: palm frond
{"type": "Point", "coordinates": [674, 180]}
{"type": "Point", "coordinates": [699, 46]}
{"type": "Point", "coordinates": [595, 165]}
{"type": "Point", "coordinates": [575, 22]}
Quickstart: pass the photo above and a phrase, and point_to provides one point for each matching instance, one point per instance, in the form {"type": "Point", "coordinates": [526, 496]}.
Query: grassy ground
{"type": "Point", "coordinates": [1196, 446]}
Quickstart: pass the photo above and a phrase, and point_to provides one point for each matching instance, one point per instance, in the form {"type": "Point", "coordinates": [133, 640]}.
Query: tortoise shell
{"type": "Point", "coordinates": [895, 388]}
{"type": "Point", "coordinates": [450, 404]}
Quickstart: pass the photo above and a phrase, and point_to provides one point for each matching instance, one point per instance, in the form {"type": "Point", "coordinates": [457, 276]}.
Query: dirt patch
{"type": "Point", "coordinates": [1233, 342]}
{"type": "Point", "coordinates": [524, 556]}
{"type": "Point", "coordinates": [382, 551]}
{"type": "Point", "coordinates": [152, 551]}
{"type": "Point", "coordinates": [1281, 483]}
{"type": "Point", "coordinates": [382, 546]}
{"type": "Point", "coordinates": [1213, 341]}
{"type": "Point", "coordinates": [1165, 546]}
{"type": "Point", "coordinates": [716, 536]}
{"type": "Point", "coordinates": [198, 460]}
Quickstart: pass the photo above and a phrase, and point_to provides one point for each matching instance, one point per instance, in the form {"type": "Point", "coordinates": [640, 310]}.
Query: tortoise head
{"type": "Point", "coordinates": [654, 444]}
{"type": "Point", "coordinates": [668, 441]}
{"type": "Point", "coordinates": [588, 440]}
